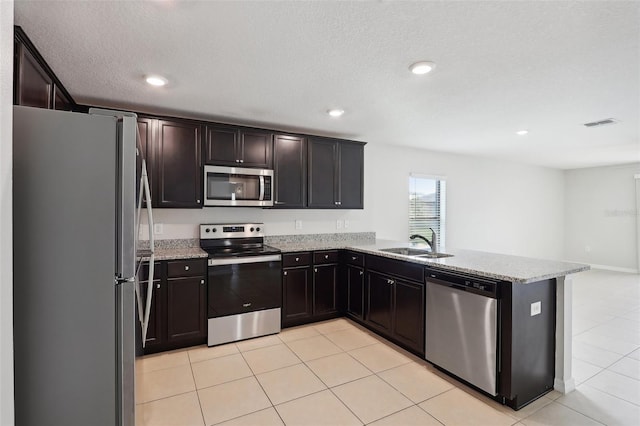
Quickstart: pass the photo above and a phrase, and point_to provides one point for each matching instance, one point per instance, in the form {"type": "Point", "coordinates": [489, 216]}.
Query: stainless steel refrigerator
{"type": "Point", "coordinates": [74, 190]}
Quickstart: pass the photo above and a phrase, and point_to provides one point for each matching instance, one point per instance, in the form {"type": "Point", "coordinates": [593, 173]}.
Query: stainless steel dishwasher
{"type": "Point", "coordinates": [462, 327]}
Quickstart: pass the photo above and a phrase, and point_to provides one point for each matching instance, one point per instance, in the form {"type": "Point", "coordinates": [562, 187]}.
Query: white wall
{"type": "Point", "coordinates": [6, 241]}
{"type": "Point", "coordinates": [600, 216]}
{"type": "Point", "coordinates": [491, 205]}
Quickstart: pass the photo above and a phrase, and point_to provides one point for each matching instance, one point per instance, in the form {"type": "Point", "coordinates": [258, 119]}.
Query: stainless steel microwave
{"type": "Point", "coordinates": [238, 186]}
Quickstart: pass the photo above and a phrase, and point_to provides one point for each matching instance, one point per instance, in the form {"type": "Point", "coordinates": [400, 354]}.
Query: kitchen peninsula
{"type": "Point", "coordinates": [534, 298]}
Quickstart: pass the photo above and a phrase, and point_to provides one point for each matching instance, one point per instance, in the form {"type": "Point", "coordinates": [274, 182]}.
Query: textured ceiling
{"type": "Point", "coordinates": [546, 66]}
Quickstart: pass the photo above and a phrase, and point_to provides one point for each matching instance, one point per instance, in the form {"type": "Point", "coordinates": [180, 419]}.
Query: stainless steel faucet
{"type": "Point", "coordinates": [434, 240]}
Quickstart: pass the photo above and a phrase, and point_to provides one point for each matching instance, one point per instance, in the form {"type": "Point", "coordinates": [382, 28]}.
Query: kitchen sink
{"type": "Point", "coordinates": [406, 251]}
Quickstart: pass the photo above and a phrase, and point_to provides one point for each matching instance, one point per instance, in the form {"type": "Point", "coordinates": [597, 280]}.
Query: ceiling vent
{"type": "Point", "coordinates": [601, 122]}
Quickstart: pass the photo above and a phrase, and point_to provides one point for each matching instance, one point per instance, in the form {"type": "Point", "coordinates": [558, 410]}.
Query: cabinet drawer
{"type": "Point", "coordinates": [353, 258]}
{"type": "Point", "coordinates": [143, 274]}
{"type": "Point", "coordinates": [399, 268]}
{"type": "Point", "coordinates": [296, 259]}
{"type": "Point", "coordinates": [327, 256]}
{"type": "Point", "coordinates": [186, 268]}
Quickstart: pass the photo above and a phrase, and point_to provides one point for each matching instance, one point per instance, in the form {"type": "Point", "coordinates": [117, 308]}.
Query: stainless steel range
{"type": "Point", "coordinates": [245, 286]}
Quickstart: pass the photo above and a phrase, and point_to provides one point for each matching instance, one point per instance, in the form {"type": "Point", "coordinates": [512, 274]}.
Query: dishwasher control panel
{"type": "Point", "coordinates": [464, 282]}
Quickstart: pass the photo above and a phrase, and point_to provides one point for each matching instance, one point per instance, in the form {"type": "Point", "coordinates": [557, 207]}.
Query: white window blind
{"type": "Point", "coordinates": [427, 207]}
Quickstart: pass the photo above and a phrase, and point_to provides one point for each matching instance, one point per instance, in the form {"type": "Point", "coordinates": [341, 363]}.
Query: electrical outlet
{"type": "Point", "coordinates": [338, 224]}
{"type": "Point", "coordinates": [346, 223]}
{"type": "Point", "coordinates": [158, 228]}
{"type": "Point", "coordinates": [298, 224]}
{"type": "Point", "coordinates": [536, 308]}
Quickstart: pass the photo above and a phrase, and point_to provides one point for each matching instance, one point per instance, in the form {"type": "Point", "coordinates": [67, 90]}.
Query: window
{"type": "Point", "coordinates": [427, 206]}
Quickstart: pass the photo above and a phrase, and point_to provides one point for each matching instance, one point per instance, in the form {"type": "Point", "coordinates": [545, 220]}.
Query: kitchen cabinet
{"type": "Point", "coordinates": [354, 292]}
{"type": "Point", "coordinates": [395, 301]}
{"type": "Point", "coordinates": [336, 174]}
{"type": "Point", "coordinates": [290, 171]}
{"type": "Point", "coordinates": [177, 164]}
{"type": "Point", "coordinates": [35, 84]}
{"type": "Point", "coordinates": [310, 287]}
{"type": "Point", "coordinates": [178, 309]}
{"type": "Point", "coordinates": [239, 147]}
{"type": "Point", "coordinates": [297, 289]}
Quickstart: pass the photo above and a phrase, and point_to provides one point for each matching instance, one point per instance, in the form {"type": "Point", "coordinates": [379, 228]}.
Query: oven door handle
{"type": "Point", "coordinates": [243, 260]}
{"type": "Point", "coordinates": [261, 188]}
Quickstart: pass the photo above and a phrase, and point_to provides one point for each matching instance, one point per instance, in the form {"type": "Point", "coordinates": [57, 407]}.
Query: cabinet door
{"type": "Point", "coordinates": [186, 309]}
{"type": "Point", "coordinates": [380, 301]}
{"type": "Point", "coordinates": [146, 128]}
{"type": "Point", "coordinates": [408, 324]}
{"type": "Point", "coordinates": [355, 291]}
{"type": "Point", "coordinates": [325, 279]}
{"type": "Point", "coordinates": [154, 330]}
{"type": "Point", "coordinates": [178, 166]}
{"type": "Point", "coordinates": [222, 145]}
{"type": "Point", "coordinates": [60, 101]}
{"type": "Point", "coordinates": [34, 85]}
{"type": "Point", "coordinates": [322, 185]}
{"type": "Point", "coordinates": [290, 171]}
{"type": "Point", "coordinates": [256, 149]}
{"type": "Point", "coordinates": [351, 176]}
{"type": "Point", "coordinates": [296, 294]}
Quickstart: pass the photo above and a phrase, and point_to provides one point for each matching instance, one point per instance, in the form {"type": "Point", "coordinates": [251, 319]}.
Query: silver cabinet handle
{"type": "Point", "coordinates": [157, 285]}
{"type": "Point", "coordinates": [197, 201]}
{"type": "Point", "coordinates": [353, 258]}
{"type": "Point", "coordinates": [246, 305]}
{"type": "Point", "coordinates": [390, 282]}
{"type": "Point", "coordinates": [315, 269]}
{"type": "Point", "coordinates": [186, 268]}
{"type": "Point", "coordinates": [202, 282]}
{"type": "Point", "coordinates": [361, 273]}
{"type": "Point", "coordinates": [285, 273]}
{"type": "Point", "coordinates": [278, 202]}
{"type": "Point", "coordinates": [240, 161]}
{"type": "Point", "coordinates": [326, 256]}
{"type": "Point", "coordinates": [237, 161]}
{"type": "Point", "coordinates": [297, 259]}
{"type": "Point", "coordinates": [338, 202]}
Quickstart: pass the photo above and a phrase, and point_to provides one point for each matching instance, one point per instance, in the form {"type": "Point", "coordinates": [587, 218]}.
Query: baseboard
{"type": "Point", "coordinates": [607, 267]}
{"type": "Point", "coordinates": [564, 386]}
{"type": "Point", "coordinates": [615, 268]}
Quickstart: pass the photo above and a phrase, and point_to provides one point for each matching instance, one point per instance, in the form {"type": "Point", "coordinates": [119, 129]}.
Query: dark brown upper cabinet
{"type": "Point", "coordinates": [177, 164]}
{"type": "Point", "coordinates": [290, 171]}
{"type": "Point", "coordinates": [336, 174]}
{"type": "Point", "coordinates": [234, 146]}
{"type": "Point", "coordinates": [34, 83]}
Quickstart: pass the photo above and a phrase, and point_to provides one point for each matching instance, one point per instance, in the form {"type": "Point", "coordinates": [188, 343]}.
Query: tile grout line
{"type": "Point", "coordinates": [195, 385]}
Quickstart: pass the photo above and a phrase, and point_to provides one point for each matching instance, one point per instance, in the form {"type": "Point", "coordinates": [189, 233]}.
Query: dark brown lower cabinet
{"type": "Point", "coordinates": [395, 309]}
{"type": "Point", "coordinates": [296, 294]}
{"type": "Point", "coordinates": [186, 309]}
{"type": "Point", "coordinates": [178, 315]}
{"type": "Point", "coordinates": [355, 292]}
{"type": "Point", "coordinates": [325, 289]}
{"type": "Point", "coordinates": [311, 288]}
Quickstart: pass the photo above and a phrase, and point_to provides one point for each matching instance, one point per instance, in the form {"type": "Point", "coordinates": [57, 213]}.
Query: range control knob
{"type": "Point", "coordinates": [207, 230]}
{"type": "Point", "coordinates": [258, 229]}
{"type": "Point", "coordinates": [251, 229]}
{"type": "Point", "coordinates": [214, 230]}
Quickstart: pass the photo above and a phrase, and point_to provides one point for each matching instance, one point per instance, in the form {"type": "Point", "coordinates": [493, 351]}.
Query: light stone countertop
{"type": "Point", "coordinates": [166, 253]}
{"type": "Point", "coordinates": [516, 269]}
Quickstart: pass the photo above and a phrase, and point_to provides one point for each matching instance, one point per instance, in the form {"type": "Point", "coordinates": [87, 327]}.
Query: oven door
{"type": "Point", "coordinates": [236, 186]}
{"type": "Point", "coordinates": [244, 284]}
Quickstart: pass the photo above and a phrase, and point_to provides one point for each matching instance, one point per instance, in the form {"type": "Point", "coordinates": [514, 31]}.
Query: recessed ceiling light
{"type": "Point", "coordinates": [522, 132]}
{"type": "Point", "coordinates": [156, 80]}
{"type": "Point", "coordinates": [335, 112]}
{"type": "Point", "coordinates": [422, 67]}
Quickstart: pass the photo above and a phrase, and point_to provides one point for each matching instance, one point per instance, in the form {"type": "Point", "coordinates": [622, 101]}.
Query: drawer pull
{"type": "Point", "coordinates": [390, 282]}
{"type": "Point", "coordinates": [186, 268]}
{"type": "Point", "coordinates": [297, 259]}
{"type": "Point", "coordinates": [353, 257]}
{"type": "Point", "coordinates": [326, 256]}
{"type": "Point", "coordinates": [202, 282]}
{"type": "Point", "coordinates": [157, 285]}
{"type": "Point", "coordinates": [246, 305]}
{"type": "Point", "coordinates": [285, 273]}
{"type": "Point", "coordinates": [361, 273]}
{"type": "Point", "coordinates": [315, 269]}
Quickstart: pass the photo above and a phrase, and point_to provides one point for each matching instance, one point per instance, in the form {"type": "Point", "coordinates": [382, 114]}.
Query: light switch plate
{"type": "Point", "coordinates": [298, 224]}
{"type": "Point", "coordinates": [346, 223]}
{"type": "Point", "coordinates": [338, 224]}
{"type": "Point", "coordinates": [536, 308]}
{"type": "Point", "coordinates": [158, 228]}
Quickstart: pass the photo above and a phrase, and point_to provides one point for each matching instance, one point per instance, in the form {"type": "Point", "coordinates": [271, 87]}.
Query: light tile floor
{"type": "Point", "coordinates": [338, 373]}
